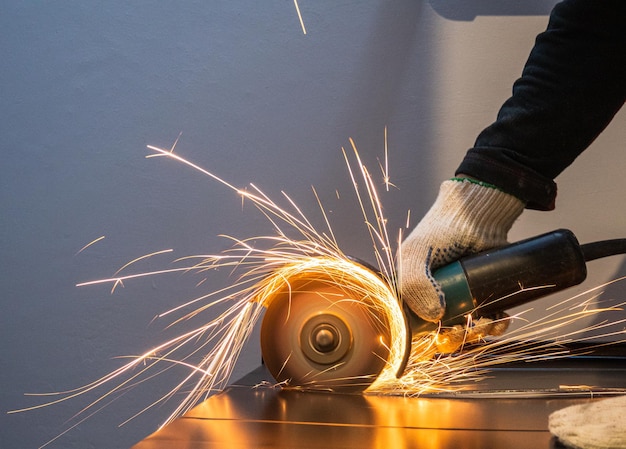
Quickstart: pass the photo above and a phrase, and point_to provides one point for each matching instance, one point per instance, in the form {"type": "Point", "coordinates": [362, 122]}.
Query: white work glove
{"type": "Point", "coordinates": [468, 216]}
{"type": "Point", "coordinates": [593, 425]}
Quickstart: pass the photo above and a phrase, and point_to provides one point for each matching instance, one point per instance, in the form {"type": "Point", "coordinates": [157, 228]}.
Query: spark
{"type": "Point", "coordinates": [202, 281]}
{"type": "Point", "coordinates": [176, 142]}
{"type": "Point", "coordinates": [447, 359]}
{"type": "Point", "coordinates": [385, 168]}
{"type": "Point", "coordinates": [295, 2]}
{"type": "Point", "coordinates": [120, 281]}
{"type": "Point", "coordinates": [146, 256]}
{"type": "Point", "coordinates": [89, 244]}
{"type": "Point", "coordinates": [386, 172]}
{"type": "Point", "coordinates": [438, 365]}
{"type": "Point", "coordinates": [261, 269]}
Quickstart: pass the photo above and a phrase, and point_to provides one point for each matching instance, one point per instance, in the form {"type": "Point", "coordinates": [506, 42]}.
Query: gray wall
{"type": "Point", "coordinates": [85, 86]}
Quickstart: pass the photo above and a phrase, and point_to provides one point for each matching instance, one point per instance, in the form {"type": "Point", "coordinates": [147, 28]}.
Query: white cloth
{"type": "Point", "coordinates": [594, 425]}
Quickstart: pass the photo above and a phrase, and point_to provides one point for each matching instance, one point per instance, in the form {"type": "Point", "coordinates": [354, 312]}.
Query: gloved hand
{"type": "Point", "coordinates": [468, 216]}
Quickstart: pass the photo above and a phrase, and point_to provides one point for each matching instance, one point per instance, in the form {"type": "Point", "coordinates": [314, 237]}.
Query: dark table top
{"type": "Point", "coordinates": [508, 409]}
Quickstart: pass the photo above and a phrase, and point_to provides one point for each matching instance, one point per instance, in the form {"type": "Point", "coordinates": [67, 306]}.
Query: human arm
{"type": "Point", "coordinates": [572, 85]}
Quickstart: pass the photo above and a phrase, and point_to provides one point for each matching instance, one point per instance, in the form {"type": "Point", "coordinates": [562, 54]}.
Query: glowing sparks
{"type": "Point", "coordinates": [295, 2]}
{"type": "Point", "coordinates": [450, 360]}
{"type": "Point", "coordinates": [384, 168]}
{"type": "Point", "coordinates": [218, 343]}
{"type": "Point", "coordinates": [120, 281]}
{"type": "Point", "coordinates": [386, 172]}
{"type": "Point", "coordinates": [90, 244]}
{"type": "Point", "coordinates": [443, 360]}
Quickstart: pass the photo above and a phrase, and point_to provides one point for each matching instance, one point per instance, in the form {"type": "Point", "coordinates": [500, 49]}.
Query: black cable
{"type": "Point", "coordinates": [604, 248]}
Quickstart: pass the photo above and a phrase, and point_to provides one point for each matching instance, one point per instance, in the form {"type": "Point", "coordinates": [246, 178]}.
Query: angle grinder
{"type": "Point", "coordinates": [322, 333]}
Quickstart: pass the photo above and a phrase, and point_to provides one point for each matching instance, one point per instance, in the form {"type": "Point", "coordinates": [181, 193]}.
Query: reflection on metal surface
{"type": "Point", "coordinates": [508, 409]}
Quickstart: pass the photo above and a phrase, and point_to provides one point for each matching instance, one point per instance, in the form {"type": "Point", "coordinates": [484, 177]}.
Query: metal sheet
{"type": "Point", "coordinates": [509, 409]}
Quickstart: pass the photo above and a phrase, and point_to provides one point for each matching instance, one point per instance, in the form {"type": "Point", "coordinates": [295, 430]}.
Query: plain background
{"type": "Point", "coordinates": [85, 86]}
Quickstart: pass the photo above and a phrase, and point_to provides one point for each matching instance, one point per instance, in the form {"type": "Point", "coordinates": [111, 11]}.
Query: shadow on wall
{"type": "Point", "coordinates": [468, 10]}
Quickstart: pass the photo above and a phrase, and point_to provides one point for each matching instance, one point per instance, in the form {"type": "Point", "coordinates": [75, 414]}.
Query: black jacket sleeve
{"type": "Point", "coordinates": [572, 85]}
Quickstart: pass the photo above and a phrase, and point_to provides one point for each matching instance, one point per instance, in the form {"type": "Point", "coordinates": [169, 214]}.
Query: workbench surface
{"type": "Point", "coordinates": [508, 409]}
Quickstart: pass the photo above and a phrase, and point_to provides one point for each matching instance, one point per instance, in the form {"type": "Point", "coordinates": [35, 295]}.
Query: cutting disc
{"type": "Point", "coordinates": [319, 334]}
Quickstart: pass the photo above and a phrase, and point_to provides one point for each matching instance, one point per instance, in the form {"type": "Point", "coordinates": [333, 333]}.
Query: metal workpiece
{"type": "Point", "coordinates": [508, 408]}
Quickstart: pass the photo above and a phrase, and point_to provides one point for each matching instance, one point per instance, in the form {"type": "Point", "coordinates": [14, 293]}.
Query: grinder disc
{"type": "Point", "coordinates": [319, 335]}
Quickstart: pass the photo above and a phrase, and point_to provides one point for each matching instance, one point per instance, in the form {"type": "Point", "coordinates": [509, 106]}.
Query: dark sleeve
{"type": "Point", "coordinates": [572, 85]}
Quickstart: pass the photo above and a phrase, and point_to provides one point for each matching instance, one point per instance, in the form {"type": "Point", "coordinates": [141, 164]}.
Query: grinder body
{"type": "Point", "coordinates": [493, 281]}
